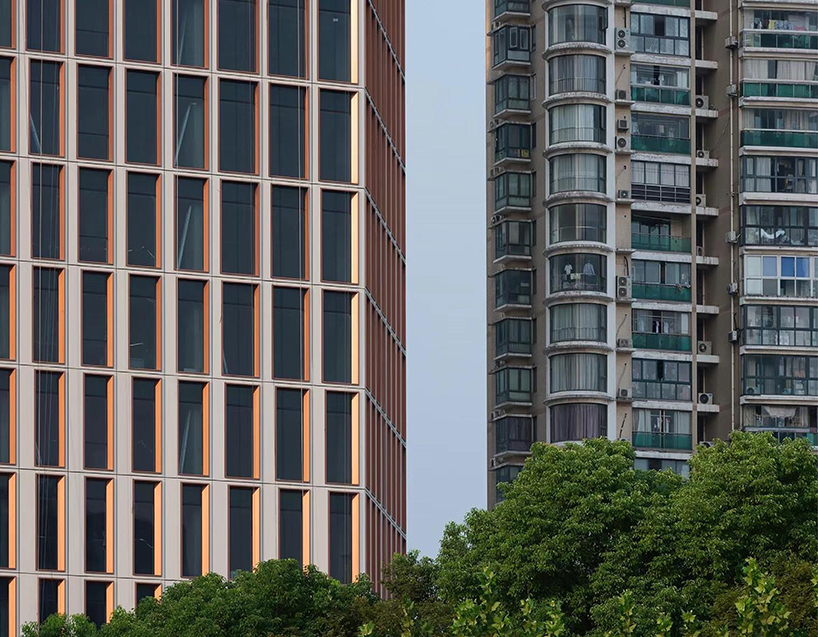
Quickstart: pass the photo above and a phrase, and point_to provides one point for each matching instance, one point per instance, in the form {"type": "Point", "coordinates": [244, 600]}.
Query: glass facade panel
{"type": "Point", "coordinates": [93, 105]}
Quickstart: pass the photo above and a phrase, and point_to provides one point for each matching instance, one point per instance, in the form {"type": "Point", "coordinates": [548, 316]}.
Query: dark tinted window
{"type": "Point", "coordinates": [5, 485]}
{"type": "Point", "coordinates": [5, 102]}
{"type": "Point", "coordinates": [96, 422]}
{"type": "Point", "coordinates": [238, 228]}
{"type": "Point", "coordinates": [288, 333]}
{"type": "Point", "coordinates": [46, 219]}
{"type": "Point", "coordinates": [237, 35]}
{"type": "Point", "coordinates": [287, 36]}
{"type": "Point", "coordinates": [240, 426]}
{"type": "Point", "coordinates": [49, 598]}
{"type": "Point", "coordinates": [142, 248]}
{"type": "Point", "coordinates": [141, 125]}
{"type": "Point", "coordinates": [96, 602]}
{"type": "Point", "coordinates": [337, 337]}
{"type": "Point", "coordinates": [96, 523]}
{"type": "Point", "coordinates": [334, 46]}
{"type": "Point", "coordinates": [340, 537]}
{"type": "Point", "coordinates": [92, 28]}
{"type": "Point", "coordinates": [94, 318]}
{"type": "Point", "coordinates": [93, 215]}
{"type": "Point", "coordinates": [5, 311]}
{"type": "Point", "coordinates": [45, 119]}
{"type": "Point", "coordinates": [289, 435]}
{"type": "Point", "coordinates": [143, 324]}
{"type": "Point", "coordinates": [291, 526]}
{"type": "Point", "coordinates": [189, 122]}
{"type": "Point", "coordinates": [5, 416]}
{"type": "Point", "coordinates": [336, 236]}
{"type": "Point", "coordinates": [92, 116]}
{"type": "Point", "coordinates": [144, 424]}
{"type": "Point", "coordinates": [238, 329]}
{"type": "Point", "coordinates": [5, 207]}
{"type": "Point", "coordinates": [190, 221]}
{"type": "Point", "coordinates": [241, 530]}
{"type": "Point", "coordinates": [44, 25]}
{"type": "Point", "coordinates": [145, 590]}
{"type": "Point", "coordinates": [48, 514]}
{"type": "Point", "coordinates": [336, 136]}
{"type": "Point", "coordinates": [140, 30]}
{"type": "Point", "coordinates": [289, 232]}
{"type": "Point", "coordinates": [46, 324]}
{"type": "Point", "coordinates": [191, 530]}
{"type": "Point", "coordinates": [190, 326]}
{"type": "Point", "coordinates": [287, 131]}
{"type": "Point", "coordinates": [191, 428]}
{"type": "Point", "coordinates": [339, 438]}
{"type": "Point", "coordinates": [144, 521]}
{"type": "Point", "coordinates": [5, 596]}
{"type": "Point", "coordinates": [47, 403]}
{"type": "Point", "coordinates": [237, 127]}
{"type": "Point", "coordinates": [188, 32]}
{"type": "Point", "coordinates": [6, 19]}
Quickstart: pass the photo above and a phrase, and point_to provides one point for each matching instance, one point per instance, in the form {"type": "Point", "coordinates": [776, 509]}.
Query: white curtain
{"type": "Point", "coordinates": [579, 372]}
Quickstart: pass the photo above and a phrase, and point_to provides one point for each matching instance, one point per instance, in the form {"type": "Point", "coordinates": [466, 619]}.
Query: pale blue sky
{"type": "Point", "coordinates": [446, 264]}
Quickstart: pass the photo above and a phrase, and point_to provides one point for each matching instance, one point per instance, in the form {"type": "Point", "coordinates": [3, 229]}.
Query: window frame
{"type": "Point", "coordinates": [12, 35]}
{"type": "Point", "coordinates": [109, 319]}
{"type": "Point", "coordinates": [44, 157]}
{"type": "Point", "coordinates": [256, 327]}
{"type": "Point", "coordinates": [157, 528]}
{"type": "Point", "coordinates": [256, 228]}
{"type": "Point", "coordinates": [158, 320]}
{"type": "Point", "coordinates": [109, 425]}
{"type": "Point", "coordinates": [12, 318]}
{"type": "Point", "coordinates": [304, 224]}
{"type": "Point", "coordinates": [61, 519]}
{"type": "Point", "coordinates": [110, 34]}
{"type": "Point", "coordinates": [205, 522]}
{"type": "Point", "coordinates": [158, 159]}
{"type": "Point", "coordinates": [205, 124]}
{"type": "Point", "coordinates": [13, 61]}
{"type": "Point", "coordinates": [63, 25]}
{"type": "Point", "coordinates": [109, 524]}
{"type": "Point", "coordinates": [256, 423]}
{"type": "Point", "coordinates": [256, 496]}
{"type": "Point", "coordinates": [12, 372]}
{"type": "Point", "coordinates": [354, 438]}
{"type": "Point", "coordinates": [60, 211]}
{"type": "Point", "coordinates": [206, 23]}
{"type": "Point", "coordinates": [12, 524]}
{"type": "Point", "coordinates": [205, 225]}
{"type": "Point", "coordinates": [256, 161]}
{"type": "Point", "coordinates": [256, 40]}
{"type": "Point", "coordinates": [109, 215]}
{"type": "Point", "coordinates": [157, 424]}
{"type": "Point", "coordinates": [60, 316]}
{"type": "Point", "coordinates": [157, 219]}
{"type": "Point", "coordinates": [206, 334]}
{"type": "Point", "coordinates": [205, 430]}
{"type": "Point", "coordinates": [159, 34]}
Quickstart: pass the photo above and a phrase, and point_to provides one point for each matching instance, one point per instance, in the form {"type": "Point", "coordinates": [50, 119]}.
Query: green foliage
{"type": "Point", "coordinates": [61, 626]}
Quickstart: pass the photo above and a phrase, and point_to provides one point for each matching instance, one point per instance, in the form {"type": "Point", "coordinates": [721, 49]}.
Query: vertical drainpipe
{"type": "Point", "coordinates": [733, 270]}
{"type": "Point", "coordinates": [694, 270]}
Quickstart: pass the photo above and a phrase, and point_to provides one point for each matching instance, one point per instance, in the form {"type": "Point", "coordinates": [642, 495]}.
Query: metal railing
{"type": "Point", "coordinates": [661, 95]}
{"type": "Point", "coordinates": [659, 440]}
{"type": "Point", "coordinates": [779, 40]}
{"type": "Point", "coordinates": [660, 243]}
{"type": "Point", "coordinates": [789, 139]}
{"type": "Point", "coordinates": [661, 292]}
{"type": "Point", "coordinates": [657, 144]}
{"type": "Point", "coordinates": [780, 89]}
{"type": "Point", "coordinates": [669, 342]}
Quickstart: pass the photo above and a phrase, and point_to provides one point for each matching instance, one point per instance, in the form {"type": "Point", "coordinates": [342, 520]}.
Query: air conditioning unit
{"type": "Point", "coordinates": [493, 463]}
{"type": "Point", "coordinates": [623, 39]}
{"type": "Point", "coordinates": [496, 25]}
{"type": "Point", "coordinates": [705, 399]}
{"type": "Point", "coordinates": [624, 343]}
{"type": "Point", "coordinates": [731, 237]}
{"type": "Point", "coordinates": [623, 194]}
{"type": "Point", "coordinates": [623, 144]}
{"type": "Point", "coordinates": [624, 288]}
{"type": "Point", "coordinates": [733, 336]}
{"type": "Point", "coordinates": [496, 172]}
{"type": "Point", "coordinates": [500, 364]}
{"type": "Point", "coordinates": [622, 95]}
{"type": "Point", "coordinates": [622, 124]}
{"type": "Point", "coordinates": [699, 251]}
{"type": "Point", "coordinates": [497, 414]}
{"type": "Point", "coordinates": [705, 348]}
{"type": "Point", "coordinates": [495, 219]}
{"type": "Point", "coordinates": [732, 289]}
{"type": "Point", "coordinates": [701, 201]}
{"type": "Point", "coordinates": [731, 42]}
{"type": "Point", "coordinates": [703, 154]}
{"type": "Point", "coordinates": [703, 101]}
{"type": "Point", "coordinates": [624, 393]}
{"type": "Point", "coordinates": [495, 123]}
{"type": "Point", "coordinates": [751, 391]}
{"type": "Point", "coordinates": [732, 90]}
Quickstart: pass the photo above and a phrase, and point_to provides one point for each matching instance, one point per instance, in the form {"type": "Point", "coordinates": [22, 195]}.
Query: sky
{"type": "Point", "coordinates": [446, 280]}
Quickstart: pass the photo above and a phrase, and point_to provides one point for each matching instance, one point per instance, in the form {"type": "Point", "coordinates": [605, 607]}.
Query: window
{"type": "Point", "coordinates": [240, 432]}
{"type": "Point", "coordinates": [50, 499]}
{"type": "Point", "coordinates": [662, 429]}
{"type": "Point", "coordinates": [50, 436]}
{"type": "Point", "coordinates": [334, 40]}
{"type": "Point", "coordinates": [288, 131]}
{"type": "Point", "coordinates": [782, 421]}
{"type": "Point", "coordinates": [6, 21]}
{"type": "Point", "coordinates": [663, 84]}
{"type": "Point", "coordinates": [239, 335]}
{"type": "Point", "coordinates": [147, 590]}
{"type": "Point", "coordinates": [514, 190]}
{"type": "Point", "coordinates": [143, 220]}
{"type": "Point", "coordinates": [578, 23]}
{"type": "Point", "coordinates": [578, 222]}
{"type": "Point", "coordinates": [46, 211]}
{"type": "Point", "coordinates": [679, 467]}
{"type": "Point", "coordinates": [193, 429]}
{"type": "Point", "coordinates": [145, 526]}
{"type": "Point", "coordinates": [8, 513]}
{"type": "Point", "coordinates": [44, 25]}
{"type": "Point", "coordinates": [188, 32]}
{"type": "Point", "coordinates": [191, 224]}
{"type": "Point", "coordinates": [6, 310]}
{"type": "Point", "coordinates": [96, 602]}
{"type": "Point", "coordinates": [654, 233]}
{"type": "Point", "coordinates": [242, 556]}
{"type": "Point", "coordinates": [661, 280]}
{"type": "Point", "coordinates": [657, 329]}
{"type": "Point", "coordinates": [142, 117]}
{"type": "Point", "coordinates": [7, 591]}
{"type": "Point", "coordinates": [193, 521]}
{"type": "Point", "coordinates": [780, 375]}
{"type": "Point", "coordinates": [781, 325]}
{"type": "Point", "coordinates": [660, 34]}
{"type": "Point", "coordinates": [338, 328]}
{"type": "Point", "coordinates": [513, 238]}
{"type": "Point", "coordinates": [513, 287]}
{"type": "Point", "coordinates": [514, 384]}
{"type": "Point", "coordinates": [512, 44]}
{"type": "Point", "coordinates": [92, 24]}
{"type": "Point", "coordinates": [94, 216]}
{"type": "Point", "coordinates": [289, 241]}
{"type": "Point", "coordinates": [190, 121]}
{"type": "Point", "coordinates": [145, 425]}
{"type": "Point", "coordinates": [505, 475]}
{"type": "Point", "coordinates": [291, 526]}
{"type": "Point", "coordinates": [340, 537]}
{"type": "Point", "coordinates": [579, 322]}
{"type": "Point", "coordinates": [578, 272]}
{"type": "Point", "coordinates": [97, 422]}
{"type": "Point", "coordinates": [237, 126]}
{"type": "Point", "coordinates": [575, 422]}
{"type": "Point", "coordinates": [578, 172]}
{"type": "Point", "coordinates": [661, 133]}
{"type": "Point", "coordinates": [6, 117]}
{"type": "Point", "coordinates": [45, 108]}
{"type": "Point", "coordinates": [336, 136]}
{"type": "Point", "coordinates": [8, 412]}
{"type": "Point", "coordinates": [579, 372]}
{"type": "Point", "coordinates": [512, 92]}
{"type": "Point", "coordinates": [290, 434]}
{"type": "Point", "coordinates": [289, 333]}
{"type": "Point", "coordinates": [336, 236]}
{"type": "Point", "coordinates": [144, 322]}
{"type": "Point", "coordinates": [779, 174]}
{"type": "Point", "coordinates": [95, 319]}
{"type": "Point", "coordinates": [513, 336]}
{"type": "Point", "coordinates": [51, 597]}
{"type": "Point", "coordinates": [340, 438]}
{"type": "Point", "coordinates": [576, 74]}
{"type": "Point", "coordinates": [237, 35]}
{"type": "Point", "coordinates": [661, 380]}
{"type": "Point", "coordinates": [93, 103]}
{"type": "Point", "coordinates": [239, 224]}
{"type": "Point", "coordinates": [141, 29]}
{"type": "Point", "coordinates": [514, 141]}
{"type": "Point", "coordinates": [96, 525]}
{"type": "Point", "coordinates": [781, 276]}
{"type": "Point", "coordinates": [513, 433]}
{"type": "Point", "coordinates": [779, 225]}
{"type": "Point", "coordinates": [287, 36]}
{"type": "Point", "coordinates": [47, 329]}
{"type": "Point", "coordinates": [577, 123]}
{"type": "Point", "coordinates": [654, 181]}
{"type": "Point", "coordinates": [191, 326]}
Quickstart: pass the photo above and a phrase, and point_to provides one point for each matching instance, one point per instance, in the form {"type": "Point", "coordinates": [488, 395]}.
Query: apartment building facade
{"type": "Point", "coordinates": [652, 214]}
{"type": "Point", "coordinates": [202, 282]}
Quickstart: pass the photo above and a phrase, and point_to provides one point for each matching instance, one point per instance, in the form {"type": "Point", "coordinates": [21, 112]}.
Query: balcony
{"type": "Point", "coordinates": [661, 95]}
{"type": "Point", "coordinates": [659, 440]}
{"type": "Point", "coordinates": [656, 192]}
{"type": "Point", "coordinates": [667, 342]}
{"type": "Point", "coordinates": [668, 3]}
{"type": "Point", "coordinates": [779, 40]}
{"type": "Point", "coordinates": [786, 139]}
{"type": "Point", "coordinates": [651, 144]}
{"type": "Point", "coordinates": [660, 243]}
{"type": "Point", "coordinates": [780, 89]}
{"type": "Point", "coordinates": [662, 292]}
{"type": "Point", "coordinates": [517, 7]}
{"type": "Point", "coordinates": [792, 434]}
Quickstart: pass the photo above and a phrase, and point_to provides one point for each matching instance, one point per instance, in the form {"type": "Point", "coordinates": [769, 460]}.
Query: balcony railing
{"type": "Point", "coordinates": [657, 192]}
{"type": "Point", "coordinates": [659, 440]}
{"type": "Point", "coordinates": [512, 396]}
{"type": "Point", "coordinates": [597, 334]}
{"type": "Point", "coordinates": [670, 3]}
{"type": "Point", "coordinates": [780, 40]}
{"type": "Point", "coordinates": [578, 233]}
{"type": "Point", "coordinates": [511, 6]}
{"type": "Point", "coordinates": [578, 282]}
{"type": "Point", "coordinates": [788, 139]}
{"type": "Point", "coordinates": [668, 342]}
{"type": "Point", "coordinates": [513, 347]}
{"type": "Point", "coordinates": [516, 201]}
{"type": "Point", "coordinates": [512, 103]}
{"type": "Point", "coordinates": [661, 95]}
{"type": "Point", "coordinates": [791, 434]}
{"type": "Point", "coordinates": [660, 243]}
{"type": "Point", "coordinates": [512, 152]}
{"type": "Point", "coordinates": [779, 89]}
{"type": "Point", "coordinates": [512, 250]}
{"type": "Point", "coordinates": [661, 292]}
{"type": "Point", "coordinates": [577, 85]}
{"type": "Point", "coordinates": [660, 144]}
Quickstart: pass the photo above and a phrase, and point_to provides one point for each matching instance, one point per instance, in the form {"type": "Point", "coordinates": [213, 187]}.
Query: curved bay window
{"type": "Point", "coordinates": [578, 222]}
{"type": "Point", "coordinates": [654, 181]}
{"type": "Point", "coordinates": [782, 325]}
{"type": "Point", "coordinates": [577, 23]}
{"type": "Point", "coordinates": [513, 238]}
{"type": "Point", "coordinates": [513, 287]}
{"type": "Point", "coordinates": [781, 276]}
{"type": "Point", "coordinates": [662, 429]}
{"type": "Point", "coordinates": [576, 74]}
{"type": "Point", "coordinates": [660, 34]}
{"type": "Point", "coordinates": [779, 174]}
{"type": "Point", "coordinates": [578, 422]}
{"type": "Point", "coordinates": [579, 372]}
{"type": "Point", "coordinates": [780, 225]}
{"type": "Point", "coordinates": [514, 385]}
{"type": "Point", "coordinates": [579, 322]}
{"type": "Point", "coordinates": [578, 272]}
{"type": "Point", "coordinates": [514, 433]}
{"type": "Point", "coordinates": [780, 375]}
{"type": "Point", "coordinates": [513, 336]}
{"type": "Point", "coordinates": [577, 123]}
{"type": "Point", "coordinates": [514, 190]}
{"type": "Point", "coordinates": [661, 133]}
{"type": "Point", "coordinates": [578, 172]}
{"type": "Point", "coordinates": [661, 380]}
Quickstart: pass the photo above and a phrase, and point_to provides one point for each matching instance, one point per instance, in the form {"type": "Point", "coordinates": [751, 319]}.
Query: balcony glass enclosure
{"type": "Point", "coordinates": [577, 123]}
{"type": "Point", "coordinates": [576, 74]}
{"type": "Point", "coordinates": [577, 222]}
{"type": "Point", "coordinates": [579, 322]}
{"type": "Point", "coordinates": [578, 172]}
{"type": "Point", "coordinates": [577, 23]}
{"type": "Point", "coordinates": [780, 225]}
{"type": "Point", "coordinates": [661, 84]}
{"type": "Point", "coordinates": [578, 272]}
